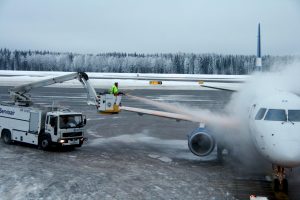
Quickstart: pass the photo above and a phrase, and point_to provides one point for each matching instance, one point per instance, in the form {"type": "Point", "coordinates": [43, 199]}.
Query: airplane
{"type": "Point", "coordinates": [273, 121]}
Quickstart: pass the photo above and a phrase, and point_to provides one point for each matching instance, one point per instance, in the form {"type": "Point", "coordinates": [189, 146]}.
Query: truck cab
{"type": "Point", "coordinates": [63, 129]}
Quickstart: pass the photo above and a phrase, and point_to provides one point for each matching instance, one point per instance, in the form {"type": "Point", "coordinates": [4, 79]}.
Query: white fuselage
{"type": "Point", "coordinates": [276, 129]}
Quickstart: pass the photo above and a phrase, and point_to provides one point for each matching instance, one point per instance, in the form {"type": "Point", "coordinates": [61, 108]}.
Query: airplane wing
{"type": "Point", "coordinates": [179, 113]}
{"type": "Point", "coordinates": [169, 115]}
{"type": "Point", "coordinates": [136, 76]}
{"type": "Point", "coordinates": [221, 82]}
{"type": "Point", "coordinates": [232, 87]}
{"type": "Point", "coordinates": [173, 77]}
{"type": "Point", "coordinates": [230, 83]}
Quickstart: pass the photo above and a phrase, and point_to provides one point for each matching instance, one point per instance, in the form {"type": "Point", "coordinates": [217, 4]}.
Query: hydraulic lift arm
{"type": "Point", "coordinates": [107, 103]}
{"type": "Point", "coordinates": [19, 93]}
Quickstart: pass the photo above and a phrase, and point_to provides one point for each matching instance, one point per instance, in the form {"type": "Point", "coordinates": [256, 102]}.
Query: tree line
{"type": "Point", "coordinates": [180, 63]}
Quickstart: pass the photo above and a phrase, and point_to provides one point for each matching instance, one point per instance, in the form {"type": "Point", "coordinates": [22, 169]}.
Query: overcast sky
{"type": "Point", "coordinates": [151, 26]}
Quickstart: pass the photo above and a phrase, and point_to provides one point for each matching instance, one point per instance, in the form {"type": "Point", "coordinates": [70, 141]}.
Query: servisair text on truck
{"type": "Point", "coordinates": [47, 126]}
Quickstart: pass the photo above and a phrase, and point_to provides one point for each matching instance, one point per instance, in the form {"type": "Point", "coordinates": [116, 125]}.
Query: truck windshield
{"type": "Point", "coordinates": [70, 121]}
{"type": "Point", "coordinates": [276, 115]}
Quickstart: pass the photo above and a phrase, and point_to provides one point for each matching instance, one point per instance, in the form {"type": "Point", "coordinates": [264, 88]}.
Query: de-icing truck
{"type": "Point", "coordinates": [46, 126]}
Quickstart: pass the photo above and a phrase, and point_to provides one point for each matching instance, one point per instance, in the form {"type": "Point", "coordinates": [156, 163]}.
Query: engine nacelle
{"type": "Point", "coordinates": [200, 142]}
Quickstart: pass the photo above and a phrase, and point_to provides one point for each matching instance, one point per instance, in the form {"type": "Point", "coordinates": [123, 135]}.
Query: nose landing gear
{"type": "Point", "coordinates": [280, 182]}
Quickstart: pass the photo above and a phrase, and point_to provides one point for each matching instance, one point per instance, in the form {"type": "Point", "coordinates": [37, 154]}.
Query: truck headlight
{"type": "Point", "coordinates": [62, 141]}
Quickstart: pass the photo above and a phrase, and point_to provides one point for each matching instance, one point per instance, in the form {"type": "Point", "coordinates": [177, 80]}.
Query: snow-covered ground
{"type": "Point", "coordinates": [126, 157]}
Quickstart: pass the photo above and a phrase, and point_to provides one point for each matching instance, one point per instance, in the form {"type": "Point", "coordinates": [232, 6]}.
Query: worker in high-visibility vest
{"type": "Point", "coordinates": [114, 89]}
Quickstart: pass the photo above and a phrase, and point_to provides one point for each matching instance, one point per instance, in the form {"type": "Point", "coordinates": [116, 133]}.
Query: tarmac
{"type": "Point", "coordinates": [129, 156]}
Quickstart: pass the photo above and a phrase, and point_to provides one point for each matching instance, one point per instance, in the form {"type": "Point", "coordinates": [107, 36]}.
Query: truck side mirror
{"type": "Point", "coordinates": [84, 119]}
{"type": "Point", "coordinates": [53, 121]}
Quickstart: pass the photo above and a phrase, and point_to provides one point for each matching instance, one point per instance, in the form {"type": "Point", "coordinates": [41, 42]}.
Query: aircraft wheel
{"type": "Point", "coordinates": [276, 185]}
{"type": "Point", "coordinates": [285, 186]}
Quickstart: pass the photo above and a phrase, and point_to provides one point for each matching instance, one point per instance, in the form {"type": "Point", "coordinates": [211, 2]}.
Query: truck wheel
{"type": "Point", "coordinates": [45, 143]}
{"type": "Point", "coordinates": [6, 137]}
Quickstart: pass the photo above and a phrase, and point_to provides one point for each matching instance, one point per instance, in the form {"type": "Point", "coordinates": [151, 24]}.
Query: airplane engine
{"type": "Point", "coordinates": [200, 142]}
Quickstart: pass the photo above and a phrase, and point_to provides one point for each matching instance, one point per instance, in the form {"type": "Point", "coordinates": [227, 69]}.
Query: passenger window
{"type": "Point", "coordinates": [294, 115]}
{"type": "Point", "coordinates": [260, 114]}
{"type": "Point", "coordinates": [276, 115]}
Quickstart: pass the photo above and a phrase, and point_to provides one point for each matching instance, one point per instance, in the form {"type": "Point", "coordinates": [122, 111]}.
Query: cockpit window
{"type": "Point", "coordinates": [294, 115]}
{"type": "Point", "coordinates": [260, 114]}
{"type": "Point", "coordinates": [276, 115]}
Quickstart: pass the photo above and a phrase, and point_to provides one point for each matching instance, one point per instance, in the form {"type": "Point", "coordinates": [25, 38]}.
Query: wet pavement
{"type": "Point", "coordinates": [130, 157]}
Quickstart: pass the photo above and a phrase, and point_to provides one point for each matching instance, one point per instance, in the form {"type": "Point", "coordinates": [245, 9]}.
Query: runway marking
{"type": "Point", "coordinates": [181, 100]}
{"type": "Point", "coordinates": [165, 159]}
{"type": "Point", "coordinates": [176, 149]}
{"type": "Point", "coordinates": [65, 97]}
{"type": "Point", "coordinates": [161, 158]}
{"type": "Point", "coordinates": [157, 188]}
{"type": "Point", "coordinates": [97, 136]}
{"type": "Point", "coordinates": [143, 138]}
{"type": "Point", "coordinates": [153, 156]}
{"type": "Point", "coordinates": [95, 119]}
